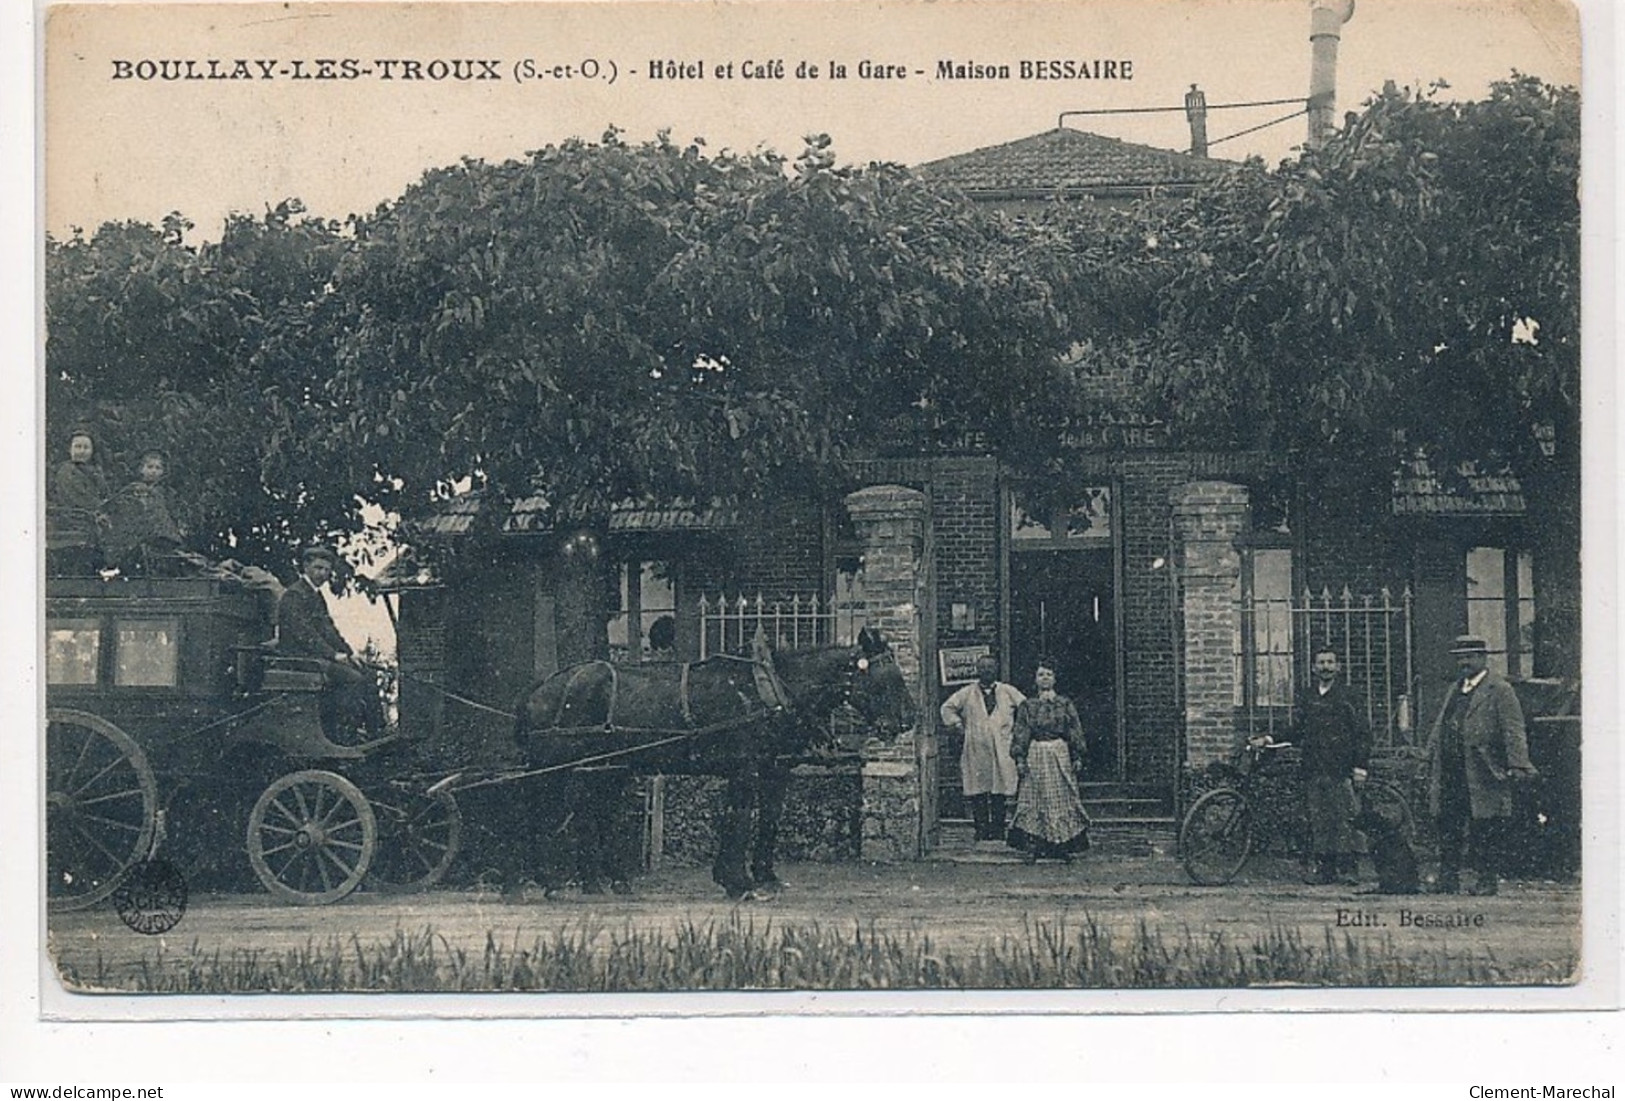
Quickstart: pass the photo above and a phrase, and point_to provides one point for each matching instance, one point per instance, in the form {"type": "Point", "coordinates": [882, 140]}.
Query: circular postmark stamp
{"type": "Point", "coordinates": [152, 897]}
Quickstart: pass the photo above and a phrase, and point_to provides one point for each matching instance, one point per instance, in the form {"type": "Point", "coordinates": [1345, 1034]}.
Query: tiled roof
{"type": "Point", "coordinates": [404, 571]}
{"type": "Point", "coordinates": [1420, 492]}
{"type": "Point", "coordinates": [1071, 162]}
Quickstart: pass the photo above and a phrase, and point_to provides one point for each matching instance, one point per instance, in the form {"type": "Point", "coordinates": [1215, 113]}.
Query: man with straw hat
{"type": "Point", "coordinates": [1478, 749]}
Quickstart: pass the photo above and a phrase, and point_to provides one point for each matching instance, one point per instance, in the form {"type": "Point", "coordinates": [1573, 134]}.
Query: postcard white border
{"type": "Point", "coordinates": [387, 1038]}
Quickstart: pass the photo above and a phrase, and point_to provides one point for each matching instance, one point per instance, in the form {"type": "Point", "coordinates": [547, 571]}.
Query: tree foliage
{"type": "Point", "coordinates": [1419, 272]}
{"type": "Point", "coordinates": [605, 321]}
{"type": "Point", "coordinates": [1412, 286]}
{"type": "Point", "coordinates": [215, 353]}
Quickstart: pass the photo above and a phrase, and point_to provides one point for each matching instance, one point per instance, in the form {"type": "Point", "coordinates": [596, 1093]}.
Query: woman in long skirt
{"type": "Point", "coordinates": [1050, 820]}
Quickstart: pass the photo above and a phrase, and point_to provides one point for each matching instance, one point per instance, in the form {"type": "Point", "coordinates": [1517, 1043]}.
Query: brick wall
{"type": "Point", "coordinates": [1150, 664]}
{"type": "Point", "coordinates": [420, 648]}
{"type": "Point", "coordinates": [1208, 516]}
{"type": "Point", "coordinates": [1355, 545]}
{"type": "Point", "coordinates": [891, 521]}
{"type": "Point", "coordinates": [965, 534]}
{"type": "Point", "coordinates": [778, 552]}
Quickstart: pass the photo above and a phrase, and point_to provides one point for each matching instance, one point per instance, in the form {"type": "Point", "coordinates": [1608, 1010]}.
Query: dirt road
{"type": "Point", "coordinates": [975, 903]}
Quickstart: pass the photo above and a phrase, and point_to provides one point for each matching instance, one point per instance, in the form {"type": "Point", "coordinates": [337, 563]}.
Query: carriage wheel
{"type": "Point", "coordinates": [101, 808]}
{"type": "Point", "coordinates": [419, 835]}
{"type": "Point", "coordinates": [1216, 837]}
{"type": "Point", "coordinates": [311, 837]}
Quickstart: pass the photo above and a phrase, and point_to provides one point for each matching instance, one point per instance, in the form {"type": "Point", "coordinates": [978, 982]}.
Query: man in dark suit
{"type": "Point", "coordinates": [305, 629]}
{"type": "Point", "coordinates": [1335, 742]}
{"type": "Point", "coordinates": [1478, 749]}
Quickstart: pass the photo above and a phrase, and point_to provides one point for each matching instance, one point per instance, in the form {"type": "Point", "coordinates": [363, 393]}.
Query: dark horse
{"type": "Point", "coordinates": [747, 720]}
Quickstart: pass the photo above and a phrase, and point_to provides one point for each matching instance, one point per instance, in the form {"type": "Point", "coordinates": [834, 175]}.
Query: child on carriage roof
{"type": "Point", "coordinates": [144, 537]}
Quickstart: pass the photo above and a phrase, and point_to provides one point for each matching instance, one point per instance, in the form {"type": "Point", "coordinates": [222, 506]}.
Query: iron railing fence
{"type": "Point", "coordinates": [1275, 641]}
{"type": "Point", "coordinates": [728, 624]}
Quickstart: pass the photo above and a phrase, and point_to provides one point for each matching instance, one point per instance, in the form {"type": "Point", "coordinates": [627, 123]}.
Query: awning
{"type": "Point", "coordinates": [1418, 491]}
{"type": "Point", "coordinates": [532, 515]}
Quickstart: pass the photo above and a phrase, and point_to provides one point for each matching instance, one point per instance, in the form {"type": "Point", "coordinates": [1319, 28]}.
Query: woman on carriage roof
{"type": "Point", "coordinates": [76, 496]}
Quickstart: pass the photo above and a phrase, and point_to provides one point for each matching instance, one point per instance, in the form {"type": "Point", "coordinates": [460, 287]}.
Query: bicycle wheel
{"type": "Point", "coordinates": [1216, 837]}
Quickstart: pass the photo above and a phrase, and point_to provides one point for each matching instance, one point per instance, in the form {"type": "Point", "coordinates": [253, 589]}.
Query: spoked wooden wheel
{"type": "Point", "coordinates": [101, 808]}
{"type": "Point", "coordinates": [419, 835]}
{"type": "Point", "coordinates": [1216, 837]}
{"type": "Point", "coordinates": [311, 837]}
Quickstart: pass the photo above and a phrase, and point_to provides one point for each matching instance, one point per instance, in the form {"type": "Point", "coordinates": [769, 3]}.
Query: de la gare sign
{"type": "Point", "coordinates": [1102, 434]}
{"type": "Point", "coordinates": [1115, 436]}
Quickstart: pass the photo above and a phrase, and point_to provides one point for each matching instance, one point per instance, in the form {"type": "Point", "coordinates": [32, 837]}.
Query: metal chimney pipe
{"type": "Point", "coordinates": [1326, 19]}
{"type": "Point", "coordinates": [1196, 115]}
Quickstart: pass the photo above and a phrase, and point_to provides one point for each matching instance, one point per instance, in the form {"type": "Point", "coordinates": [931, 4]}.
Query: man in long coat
{"type": "Point", "coordinates": [1478, 748]}
{"type": "Point", "coordinates": [1335, 742]}
{"type": "Point", "coordinates": [305, 629]}
{"type": "Point", "coordinates": [985, 711]}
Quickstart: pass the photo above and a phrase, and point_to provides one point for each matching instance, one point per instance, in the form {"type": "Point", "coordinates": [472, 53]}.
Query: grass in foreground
{"type": "Point", "coordinates": [739, 955]}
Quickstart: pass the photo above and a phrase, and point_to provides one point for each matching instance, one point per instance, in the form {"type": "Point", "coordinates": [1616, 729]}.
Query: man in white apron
{"type": "Point", "coordinates": [985, 711]}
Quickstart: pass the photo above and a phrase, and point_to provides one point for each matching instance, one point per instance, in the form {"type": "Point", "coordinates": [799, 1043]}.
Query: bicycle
{"type": "Point", "coordinates": [1221, 831]}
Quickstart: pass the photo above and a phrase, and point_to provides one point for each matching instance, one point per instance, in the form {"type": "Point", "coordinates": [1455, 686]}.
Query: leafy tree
{"type": "Point", "coordinates": [1412, 285]}
{"type": "Point", "coordinates": [603, 321]}
{"type": "Point", "coordinates": [216, 353]}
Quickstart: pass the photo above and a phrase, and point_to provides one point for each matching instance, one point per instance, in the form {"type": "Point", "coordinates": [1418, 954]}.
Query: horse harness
{"type": "Point", "coordinates": [771, 696]}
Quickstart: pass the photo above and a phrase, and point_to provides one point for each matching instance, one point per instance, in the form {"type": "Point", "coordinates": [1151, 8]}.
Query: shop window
{"type": "Point", "coordinates": [1263, 633]}
{"type": "Point", "coordinates": [72, 651]}
{"type": "Point", "coordinates": [647, 593]}
{"type": "Point", "coordinates": [849, 606]}
{"type": "Point", "coordinates": [1501, 607]}
{"type": "Point", "coordinates": [146, 653]}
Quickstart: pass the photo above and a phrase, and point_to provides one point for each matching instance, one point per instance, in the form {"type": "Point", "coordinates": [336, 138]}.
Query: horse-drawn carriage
{"type": "Point", "coordinates": [173, 726]}
{"type": "Point", "coordinates": [747, 718]}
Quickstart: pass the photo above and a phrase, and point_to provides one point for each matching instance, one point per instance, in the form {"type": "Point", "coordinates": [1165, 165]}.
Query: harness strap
{"type": "Point", "coordinates": [768, 685]}
{"type": "Point", "coordinates": [452, 783]}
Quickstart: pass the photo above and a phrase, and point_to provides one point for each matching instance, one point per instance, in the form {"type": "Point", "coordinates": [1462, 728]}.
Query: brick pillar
{"type": "Point", "coordinates": [1208, 516]}
{"type": "Point", "coordinates": [891, 521]}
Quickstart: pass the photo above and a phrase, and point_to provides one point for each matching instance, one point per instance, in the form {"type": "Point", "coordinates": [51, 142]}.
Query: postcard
{"type": "Point", "coordinates": [864, 507]}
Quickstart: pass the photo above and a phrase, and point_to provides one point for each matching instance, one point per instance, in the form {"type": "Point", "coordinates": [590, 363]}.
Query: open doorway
{"type": "Point", "coordinates": [1061, 605]}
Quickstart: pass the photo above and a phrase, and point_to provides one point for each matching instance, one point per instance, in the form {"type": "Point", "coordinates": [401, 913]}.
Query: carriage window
{"type": "Point", "coordinates": [146, 652]}
{"type": "Point", "coordinates": [648, 592]}
{"type": "Point", "coordinates": [72, 647]}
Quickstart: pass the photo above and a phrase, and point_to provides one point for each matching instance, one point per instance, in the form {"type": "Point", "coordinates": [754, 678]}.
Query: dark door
{"type": "Point", "coordinates": [1061, 606]}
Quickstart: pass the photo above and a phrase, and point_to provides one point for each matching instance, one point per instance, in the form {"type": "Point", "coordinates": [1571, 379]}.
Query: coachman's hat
{"type": "Point", "coordinates": [1470, 644]}
{"type": "Point", "coordinates": [319, 550]}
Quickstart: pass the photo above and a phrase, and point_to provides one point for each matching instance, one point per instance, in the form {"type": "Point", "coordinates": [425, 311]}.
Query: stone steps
{"type": "Point", "coordinates": [1154, 837]}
